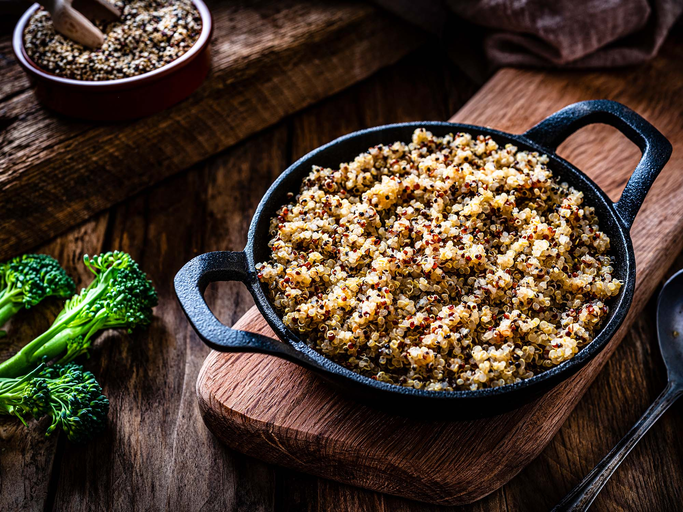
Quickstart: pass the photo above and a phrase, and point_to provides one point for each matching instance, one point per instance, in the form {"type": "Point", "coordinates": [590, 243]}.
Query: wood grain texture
{"type": "Point", "coordinates": [297, 421]}
{"type": "Point", "coordinates": [269, 59]}
{"type": "Point", "coordinates": [158, 437]}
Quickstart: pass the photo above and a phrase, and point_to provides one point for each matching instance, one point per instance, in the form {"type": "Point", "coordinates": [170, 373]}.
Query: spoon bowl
{"type": "Point", "coordinates": [670, 326]}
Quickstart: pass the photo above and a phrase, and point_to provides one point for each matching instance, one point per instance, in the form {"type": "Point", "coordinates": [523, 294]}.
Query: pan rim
{"type": "Point", "coordinates": [551, 376]}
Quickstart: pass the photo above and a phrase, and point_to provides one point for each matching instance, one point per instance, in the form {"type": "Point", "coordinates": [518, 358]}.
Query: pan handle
{"type": "Point", "coordinates": [190, 283]}
{"type": "Point", "coordinates": [656, 149]}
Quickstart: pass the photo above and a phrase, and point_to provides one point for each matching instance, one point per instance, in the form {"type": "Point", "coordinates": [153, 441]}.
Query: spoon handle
{"type": "Point", "coordinates": [582, 496]}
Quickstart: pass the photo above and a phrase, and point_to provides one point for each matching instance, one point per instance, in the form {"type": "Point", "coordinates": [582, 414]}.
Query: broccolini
{"type": "Point", "coordinates": [120, 296]}
{"type": "Point", "coordinates": [68, 394]}
{"type": "Point", "coordinates": [26, 280]}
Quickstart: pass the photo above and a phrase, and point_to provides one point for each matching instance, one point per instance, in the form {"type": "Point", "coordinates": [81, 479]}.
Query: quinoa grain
{"type": "Point", "coordinates": [442, 264]}
{"type": "Point", "coordinates": [149, 35]}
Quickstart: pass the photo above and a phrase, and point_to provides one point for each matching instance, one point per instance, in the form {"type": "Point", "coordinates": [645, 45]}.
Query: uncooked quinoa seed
{"type": "Point", "coordinates": [446, 263]}
{"type": "Point", "coordinates": [149, 35]}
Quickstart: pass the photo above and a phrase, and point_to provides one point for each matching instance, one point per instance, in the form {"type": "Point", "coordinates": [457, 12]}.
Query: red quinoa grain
{"type": "Point", "coordinates": [446, 263]}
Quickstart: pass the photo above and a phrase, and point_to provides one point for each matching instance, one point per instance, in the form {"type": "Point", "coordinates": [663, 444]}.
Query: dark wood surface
{"type": "Point", "coordinates": [157, 454]}
{"type": "Point", "coordinates": [270, 58]}
{"type": "Point", "coordinates": [238, 392]}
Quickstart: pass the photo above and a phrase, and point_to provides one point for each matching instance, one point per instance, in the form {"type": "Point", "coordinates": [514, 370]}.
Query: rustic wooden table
{"type": "Point", "coordinates": [157, 454]}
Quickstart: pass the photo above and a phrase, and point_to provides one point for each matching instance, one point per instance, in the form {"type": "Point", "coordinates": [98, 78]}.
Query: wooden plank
{"type": "Point", "coordinates": [269, 59]}
{"type": "Point", "coordinates": [14, 80]}
{"type": "Point", "coordinates": [315, 430]}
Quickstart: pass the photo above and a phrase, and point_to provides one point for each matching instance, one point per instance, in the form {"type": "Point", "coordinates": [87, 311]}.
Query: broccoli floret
{"type": "Point", "coordinates": [28, 279]}
{"type": "Point", "coordinates": [75, 347]}
{"type": "Point", "coordinates": [120, 296]}
{"type": "Point", "coordinates": [68, 394]}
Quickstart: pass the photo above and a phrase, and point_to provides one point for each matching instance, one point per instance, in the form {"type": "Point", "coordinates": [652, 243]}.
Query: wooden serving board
{"type": "Point", "coordinates": [270, 59]}
{"type": "Point", "coordinates": [281, 413]}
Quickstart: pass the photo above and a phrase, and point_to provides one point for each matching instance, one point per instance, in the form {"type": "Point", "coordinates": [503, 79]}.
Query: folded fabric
{"type": "Point", "coordinates": [550, 33]}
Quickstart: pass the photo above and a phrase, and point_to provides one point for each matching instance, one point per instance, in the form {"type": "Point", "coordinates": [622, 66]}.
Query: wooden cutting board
{"type": "Point", "coordinates": [281, 413]}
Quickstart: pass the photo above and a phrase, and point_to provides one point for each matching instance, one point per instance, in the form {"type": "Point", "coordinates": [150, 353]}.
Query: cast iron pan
{"type": "Point", "coordinates": [615, 221]}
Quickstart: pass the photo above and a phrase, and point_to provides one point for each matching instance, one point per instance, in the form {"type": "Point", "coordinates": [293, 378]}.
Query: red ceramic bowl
{"type": "Point", "coordinates": [125, 98]}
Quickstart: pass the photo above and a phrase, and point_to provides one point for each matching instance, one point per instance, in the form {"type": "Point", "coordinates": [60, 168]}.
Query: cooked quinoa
{"type": "Point", "coordinates": [446, 263]}
{"type": "Point", "coordinates": [149, 35]}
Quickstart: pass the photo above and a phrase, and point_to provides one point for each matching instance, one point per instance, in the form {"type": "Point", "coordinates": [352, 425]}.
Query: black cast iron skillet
{"type": "Point", "coordinates": [615, 221]}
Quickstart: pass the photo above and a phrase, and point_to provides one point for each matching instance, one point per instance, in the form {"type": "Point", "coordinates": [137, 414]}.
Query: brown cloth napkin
{"type": "Point", "coordinates": [555, 33]}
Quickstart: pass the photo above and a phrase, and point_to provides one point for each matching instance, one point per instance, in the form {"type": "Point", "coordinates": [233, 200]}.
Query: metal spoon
{"type": "Point", "coordinates": [670, 334]}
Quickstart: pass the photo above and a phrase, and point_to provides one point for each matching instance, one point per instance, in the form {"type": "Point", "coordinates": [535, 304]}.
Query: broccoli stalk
{"type": "Point", "coordinates": [7, 310]}
{"type": "Point", "coordinates": [26, 280]}
{"type": "Point", "coordinates": [68, 394]}
{"type": "Point", "coordinates": [120, 296]}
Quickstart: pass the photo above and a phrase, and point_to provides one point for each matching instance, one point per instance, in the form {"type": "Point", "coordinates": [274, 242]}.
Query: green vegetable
{"type": "Point", "coordinates": [120, 296]}
{"type": "Point", "coordinates": [28, 279]}
{"type": "Point", "coordinates": [68, 394]}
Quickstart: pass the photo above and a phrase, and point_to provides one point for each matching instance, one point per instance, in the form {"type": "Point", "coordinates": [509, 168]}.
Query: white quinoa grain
{"type": "Point", "coordinates": [446, 263]}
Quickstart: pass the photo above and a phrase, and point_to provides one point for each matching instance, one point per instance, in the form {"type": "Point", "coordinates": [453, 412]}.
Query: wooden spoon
{"type": "Point", "coordinates": [72, 19]}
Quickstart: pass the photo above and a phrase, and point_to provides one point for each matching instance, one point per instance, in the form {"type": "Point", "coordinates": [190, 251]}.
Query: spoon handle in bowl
{"type": "Point", "coordinates": [583, 495]}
